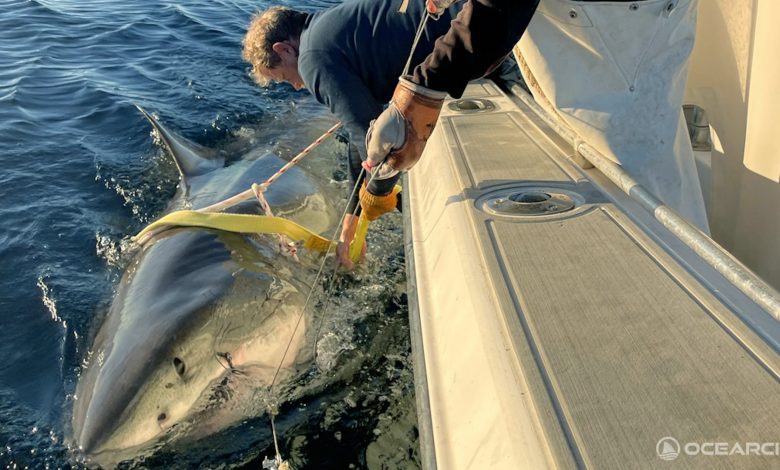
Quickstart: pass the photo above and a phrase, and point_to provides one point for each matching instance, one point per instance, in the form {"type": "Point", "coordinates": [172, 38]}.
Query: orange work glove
{"type": "Point", "coordinates": [374, 206]}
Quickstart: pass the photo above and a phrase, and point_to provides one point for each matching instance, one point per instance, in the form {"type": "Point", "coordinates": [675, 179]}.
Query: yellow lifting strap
{"type": "Point", "coordinates": [248, 223]}
{"type": "Point", "coordinates": [356, 247]}
{"type": "Point", "coordinates": [241, 223]}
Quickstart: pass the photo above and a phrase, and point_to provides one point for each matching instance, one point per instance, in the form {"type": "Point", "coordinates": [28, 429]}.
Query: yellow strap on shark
{"type": "Point", "coordinates": [356, 247]}
{"type": "Point", "coordinates": [240, 223]}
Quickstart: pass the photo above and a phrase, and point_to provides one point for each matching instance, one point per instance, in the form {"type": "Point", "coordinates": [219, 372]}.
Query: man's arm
{"type": "Point", "coordinates": [333, 83]}
{"type": "Point", "coordinates": [479, 38]}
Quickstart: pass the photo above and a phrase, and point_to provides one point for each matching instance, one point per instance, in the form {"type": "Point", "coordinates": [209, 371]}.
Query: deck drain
{"type": "Point", "coordinates": [471, 105]}
{"type": "Point", "coordinates": [529, 197]}
{"type": "Point", "coordinates": [531, 202]}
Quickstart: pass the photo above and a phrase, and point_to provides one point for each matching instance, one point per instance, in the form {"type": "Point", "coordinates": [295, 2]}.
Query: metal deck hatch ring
{"type": "Point", "coordinates": [471, 105]}
{"type": "Point", "coordinates": [529, 197]}
{"type": "Point", "coordinates": [526, 202]}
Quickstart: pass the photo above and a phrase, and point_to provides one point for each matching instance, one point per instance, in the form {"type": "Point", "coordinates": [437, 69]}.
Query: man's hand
{"type": "Point", "coordinates": [386, 134]}
{"type": "Point", "coordinates": [348, 228]}
{"type": "Point", "coordinates": [398, 136]}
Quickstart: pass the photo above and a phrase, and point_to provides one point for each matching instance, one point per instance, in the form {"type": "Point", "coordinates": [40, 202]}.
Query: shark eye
{"type": "Point", "coordinates": [178, 364]}
{"type": "Point", "coordinates": [161, 417]}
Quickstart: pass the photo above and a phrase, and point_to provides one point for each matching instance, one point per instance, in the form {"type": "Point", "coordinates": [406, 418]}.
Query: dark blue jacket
{"type": "Point", "coordinates": [351, 55]}
{"type": "Point", "coordinates": [482, 34]}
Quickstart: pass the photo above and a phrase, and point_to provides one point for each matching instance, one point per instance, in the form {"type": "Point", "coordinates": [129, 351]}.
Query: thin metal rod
{"type": "Point", "coordinates": [276, 440]}
{"type": "Point", "coordinates": [303, 310]}
{"type": "Point", "coordinates": [417, 36]}
{"type": "Point", "coordinates": [715, 255]}
{"type": "Point", "coordinates": [316, 279]}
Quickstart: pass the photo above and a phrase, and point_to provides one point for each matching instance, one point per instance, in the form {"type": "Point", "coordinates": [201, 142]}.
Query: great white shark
{"type": "Point", "coordinates": [195, 310]}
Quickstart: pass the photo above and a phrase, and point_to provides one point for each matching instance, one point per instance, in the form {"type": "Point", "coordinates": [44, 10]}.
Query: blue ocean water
{"type": "Point", "coordinates": [81, 173]}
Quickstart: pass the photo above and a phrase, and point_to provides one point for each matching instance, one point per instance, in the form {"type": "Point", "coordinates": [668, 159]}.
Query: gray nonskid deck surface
{"type": "Point", "coordinates": [625, 350]}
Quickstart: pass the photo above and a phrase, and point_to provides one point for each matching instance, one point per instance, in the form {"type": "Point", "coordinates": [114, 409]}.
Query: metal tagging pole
{"type": "Point", "coordinates": [278, 463]}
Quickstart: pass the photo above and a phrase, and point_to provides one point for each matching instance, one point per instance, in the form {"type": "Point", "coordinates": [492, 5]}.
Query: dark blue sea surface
{"type": "Point", "coordinates": [81, 173]}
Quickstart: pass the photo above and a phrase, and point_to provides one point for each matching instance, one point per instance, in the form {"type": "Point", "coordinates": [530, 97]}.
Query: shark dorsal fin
{"type": "Point", "coordinates": [191, 159]}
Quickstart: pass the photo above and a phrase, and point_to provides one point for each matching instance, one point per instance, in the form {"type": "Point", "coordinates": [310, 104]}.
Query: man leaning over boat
{"type": "Point", "coordinates": [349, 57]}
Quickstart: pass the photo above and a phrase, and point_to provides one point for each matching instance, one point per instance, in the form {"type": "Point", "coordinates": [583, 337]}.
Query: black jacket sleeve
{"type": "Point", "coordinates": [479, 38]}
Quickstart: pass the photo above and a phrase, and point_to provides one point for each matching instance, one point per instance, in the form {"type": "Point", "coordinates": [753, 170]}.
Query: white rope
{"type": "Point", "coordinates": [286, 246]}
{"type": "Point", "coordinates": [249, 193]}
{"type": "Point", "coordinates": [254, 190]}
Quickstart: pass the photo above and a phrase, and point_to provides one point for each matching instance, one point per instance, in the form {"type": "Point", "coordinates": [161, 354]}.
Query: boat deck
{"type": "Point", "coordinates": [576, 339]}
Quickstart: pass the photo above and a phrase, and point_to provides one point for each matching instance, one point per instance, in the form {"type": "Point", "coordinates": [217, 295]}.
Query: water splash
{"type": "Point", "coordinates": [49, 302]}
{"type": "Point", "coordinates": [116, 251]}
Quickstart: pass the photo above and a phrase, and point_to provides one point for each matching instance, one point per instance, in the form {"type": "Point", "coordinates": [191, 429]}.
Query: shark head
{"type": "Point", "coordinates": [194, 308]}
{"type": "Point", "coordinates": [145, 379]}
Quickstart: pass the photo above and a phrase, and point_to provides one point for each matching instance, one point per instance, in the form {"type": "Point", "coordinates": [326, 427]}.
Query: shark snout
{"type": "Point", "coordinates": [88, 441]}
{"type": "Point", "coordinates": [90, 436]}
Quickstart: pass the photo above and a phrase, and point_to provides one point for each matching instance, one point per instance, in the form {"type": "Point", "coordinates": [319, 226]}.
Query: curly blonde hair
{"type": "Point", "coordinates": [276, 24]}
